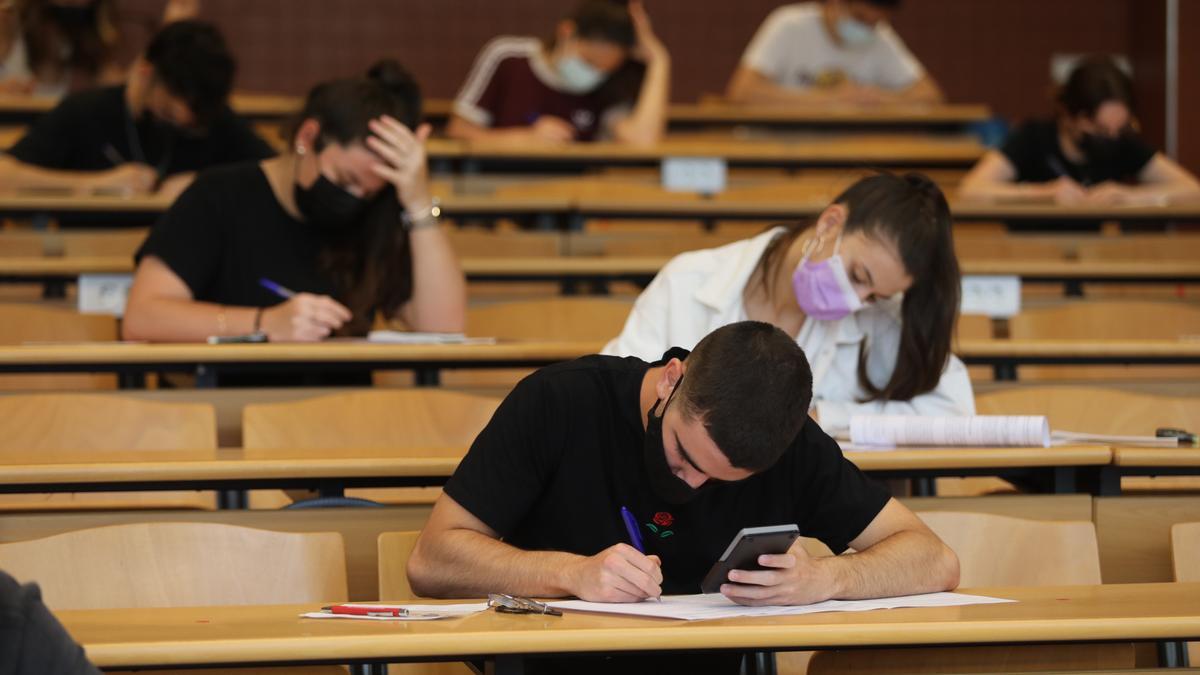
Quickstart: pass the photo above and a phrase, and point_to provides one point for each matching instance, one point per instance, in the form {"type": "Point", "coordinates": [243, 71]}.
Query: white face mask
{"type": "Point", "coordinates": [579, 76]}
{"type": "Point", "coordinates": [854, 33]}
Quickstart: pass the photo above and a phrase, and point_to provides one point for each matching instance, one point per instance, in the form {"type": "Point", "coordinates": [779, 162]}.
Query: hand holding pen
{"type": "Point", "coordinates": [619, 573]}
{"type": "Point", "coordinates": [302, 317]}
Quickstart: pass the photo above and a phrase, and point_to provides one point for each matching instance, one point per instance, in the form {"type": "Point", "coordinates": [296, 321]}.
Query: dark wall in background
{"type": "Point", "coordinates": [989, 51]}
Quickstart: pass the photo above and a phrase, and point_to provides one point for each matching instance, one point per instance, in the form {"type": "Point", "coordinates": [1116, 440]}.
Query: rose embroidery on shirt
{"type": "Point", "coordinates": [661, 521]}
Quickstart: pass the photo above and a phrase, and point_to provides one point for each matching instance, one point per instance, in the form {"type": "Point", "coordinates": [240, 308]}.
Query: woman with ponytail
{"type": "Point", "coordinates": [870, 290]}
{"type": "Point", "coordinates": [314, 242]}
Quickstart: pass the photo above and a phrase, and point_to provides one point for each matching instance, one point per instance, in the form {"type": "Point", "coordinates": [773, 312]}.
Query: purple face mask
{"type": "Point", "coordinates": [823, 290]}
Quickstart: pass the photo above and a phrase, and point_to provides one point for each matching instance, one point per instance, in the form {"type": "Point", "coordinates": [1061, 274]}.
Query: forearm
{"type": "Point", "coordinates": [922, 91]}
{"type": "Point", "coordinates": [464, 563]}
{"type": "Point", "coordinates": [984, 189]}
{"type": "Point", "coordinates": [762, 90]}
{"type": "Point", "coordinates": [467, 131]}
{"type": "Point", "coordinates": [439, 299]}
{"type": "Point", "coordinates": [177, 320]}
{"type": "Point", "coordinates": [17, 175]}
{"type": "Point", "coordinates": [906, 563]}
{"type": "Point", "coordinates": [648, 121]}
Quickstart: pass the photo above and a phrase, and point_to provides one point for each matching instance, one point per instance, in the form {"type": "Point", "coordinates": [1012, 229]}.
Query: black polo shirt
{"type": "Point", "coordinates": [563, 454]}
{"type": "Point", "coordinates": [1036, 154]}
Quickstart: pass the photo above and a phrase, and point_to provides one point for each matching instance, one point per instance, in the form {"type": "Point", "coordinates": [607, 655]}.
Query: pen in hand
{"type": "Point", "coordinates": [635, 535]}
{"type": "Point", "coordinates": [279, 290]}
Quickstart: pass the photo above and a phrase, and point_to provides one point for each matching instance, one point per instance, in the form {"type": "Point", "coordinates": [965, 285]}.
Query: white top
{"type": "Point", "coordinates": [793, 47]}
{"type": "Point", "coordinates": [700, 291]}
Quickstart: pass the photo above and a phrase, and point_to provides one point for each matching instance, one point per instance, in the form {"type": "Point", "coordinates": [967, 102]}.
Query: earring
{"type": "Point", "coordinates": [300, 150]}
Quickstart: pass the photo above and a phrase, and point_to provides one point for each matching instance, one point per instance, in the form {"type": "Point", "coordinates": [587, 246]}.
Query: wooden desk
{"type": "Point", "coordinates": [332, 471]}
{"type": "Point", "coordinates": [214, 636]}
{"type": "Point", "coordinates": [941, 115]}
{"type": "Point", "coordinates": [1006, 355]}
{"type": "Point", "coordinates": [1135, 461]}
{"type": "Point", "coordinates": [865, 150]}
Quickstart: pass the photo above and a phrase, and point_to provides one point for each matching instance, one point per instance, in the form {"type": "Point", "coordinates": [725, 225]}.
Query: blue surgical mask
{"type": "Point", "coordinates": [854, 33]}
{"type": "Point", "coordinates": [579, 76]}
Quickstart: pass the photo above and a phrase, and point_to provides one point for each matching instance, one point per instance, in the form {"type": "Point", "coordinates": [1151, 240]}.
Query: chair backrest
{"type": "Point", "coordinates": [1185, 550]}
{"type": "Point", "coordinates": [180, 565]}
{"type": "Point", "coordinates": [1003, 551]}
{"type": "Point", "coordinates": [575, 318]}
{"type": "Point", "coordinates": [49, 422]}
{"type": "Point", "coordinates": [394, 550]}
{"type": "Point", "coordinates": [468, 244]}
{"type": "Point", "coordinates": [27, 322]}
{"type": "Point", "coordinates": [1107, 319]}
{"type": "Point", "coordinates": [1093, 409]}
{"type": "Point", "coordinates": [388, 418]}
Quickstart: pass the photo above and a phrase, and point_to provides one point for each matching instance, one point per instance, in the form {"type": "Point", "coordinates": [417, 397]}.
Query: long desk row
{"type": "Point", "coordinates": [427, 361]}
{"type": "Point", "coordinates": [1164, 613]}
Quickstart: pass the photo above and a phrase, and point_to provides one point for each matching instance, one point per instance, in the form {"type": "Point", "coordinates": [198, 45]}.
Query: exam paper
{"type": "Point", "coordinates": [415, 612]}
{"type": "Point", "coordinates": [977, 430]}
{"type": "Point", "coordinates": [411, 338]}
{"type": "Point", "coordinates": [717, 606]}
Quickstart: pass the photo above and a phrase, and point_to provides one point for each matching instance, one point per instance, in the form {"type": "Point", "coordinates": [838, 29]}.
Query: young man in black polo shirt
{"type": "Point", "coordinates": [697, 447]}
{"type": "Point", "coordinates": [168, 121]}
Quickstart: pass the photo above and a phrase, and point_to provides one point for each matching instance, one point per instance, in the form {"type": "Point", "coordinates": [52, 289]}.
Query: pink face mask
{"type": "Point", "coordinates": [823, 290]}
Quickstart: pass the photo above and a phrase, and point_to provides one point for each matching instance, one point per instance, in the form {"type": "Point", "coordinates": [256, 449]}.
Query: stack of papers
{"type": "Point", "coordinates": [717, 606]}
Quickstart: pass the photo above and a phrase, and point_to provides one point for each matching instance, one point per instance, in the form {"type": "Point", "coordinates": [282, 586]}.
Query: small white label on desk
{"type": "Point", "coordinates": [997, 296]}
{"type": "Point", "coordinates": [103, 293]}
{"type": "Point", "coordinates": [706, 175]}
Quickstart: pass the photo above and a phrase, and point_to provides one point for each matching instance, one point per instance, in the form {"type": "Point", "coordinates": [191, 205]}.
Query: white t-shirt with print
{"type": "Point", "coordinates": [793, 48]}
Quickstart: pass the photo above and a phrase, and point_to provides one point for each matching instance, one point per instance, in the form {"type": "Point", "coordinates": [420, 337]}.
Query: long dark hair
{"type": "Point", "coordinates": [911, 211]}
{"type": "Point", "coordinates": [1094, 81]}
{"type": "Point", "coordinates": [371, 264]}
{"type": "Point", "coordinates": [90, 37]}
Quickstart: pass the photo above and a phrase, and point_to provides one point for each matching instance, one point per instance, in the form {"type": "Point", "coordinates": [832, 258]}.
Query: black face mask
{"type": "Point", "coordinates": [665, 484]}
{"type": "Point", "coordinates": [1100, 150]}
{"type": "Point", "coordinates": [328, 207]}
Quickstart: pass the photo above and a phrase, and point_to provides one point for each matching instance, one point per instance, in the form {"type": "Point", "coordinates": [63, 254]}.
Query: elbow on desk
{"type": "Point", "coordinates": [950, 569]}
{"type": "Point", "coordinates": [420, 579]}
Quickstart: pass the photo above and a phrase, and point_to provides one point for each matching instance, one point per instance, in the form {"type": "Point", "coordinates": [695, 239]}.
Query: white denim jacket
{"type": "Point", "coordinates": [700, 291]}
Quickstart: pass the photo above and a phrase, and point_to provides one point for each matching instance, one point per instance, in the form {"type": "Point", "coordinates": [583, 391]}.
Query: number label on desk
{"type": "Point", "coordinates": [997, 296]}
{"type": "Point", "coordinates": [103, 293]}
{"type": "Point", "coordinates": [704, 175]}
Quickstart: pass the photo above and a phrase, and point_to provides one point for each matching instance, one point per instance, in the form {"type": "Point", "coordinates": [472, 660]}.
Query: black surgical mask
{"type": "Point", "coordinates": [1101, 150]}
{"type": "Point", "coordinates": [665, 484]}
{"type": "Point", "coordinates": [327, 206]}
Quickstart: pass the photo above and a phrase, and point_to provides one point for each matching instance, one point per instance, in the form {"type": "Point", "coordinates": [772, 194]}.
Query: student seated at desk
{"type": "Point", "coordinates": [169, 120]}
{"type": "Point", "coordinates": [1089, 153]}
{"type": "Point", "coordinates": [344, 225]}
{"type": "Point", "coordinates": [870, 291]}
{"type": "Point", "coordinates": [835, 51]}
{"type": "Point", "coordinates": [32, 641]}
{"type": "Point", "coordinates": [700, 445]}
{"type": "Point", "coordinates": [577, 87]}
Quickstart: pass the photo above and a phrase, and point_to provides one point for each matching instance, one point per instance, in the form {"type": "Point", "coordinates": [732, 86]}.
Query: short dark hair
{"type": "Point", "coordinates": [751, 385]}
{"type": "Point", "coordinates": [882, 4]}
{"type": "Point", "coordinates": [1094, 81]}
{"type": "Point", "coordinates": [605, 21]}
{"type": "Point", "coordinates": [192, 60]}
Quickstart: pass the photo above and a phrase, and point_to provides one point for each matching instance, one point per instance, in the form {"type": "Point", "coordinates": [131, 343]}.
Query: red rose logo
{"type": "Point", "coordinates": [663, 519]}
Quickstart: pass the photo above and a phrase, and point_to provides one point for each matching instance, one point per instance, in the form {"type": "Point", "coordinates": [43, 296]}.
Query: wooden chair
{"type": "Point", "coordinates": [28, 322]}
{"type": "Point", "coordinates": [183, 565]}
{"type": "Point", "coordinates": [1107, 320]}
{"type": "Point", "coordinates": [999, 551]}
{"type": "Point", "coordinates": [107, 427]}
{"type": "Point", "coordinates": [385, 418]}
{"type": "Point", "coordinates": [394, 550]}
{"type": "Point", "coordinates": [1185, 551]}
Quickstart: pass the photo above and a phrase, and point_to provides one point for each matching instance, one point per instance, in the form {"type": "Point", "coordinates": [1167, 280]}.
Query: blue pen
{"type": "Point", "coordinates": [282, 291]}
{"type": "Point", "coordinates": [631, 526]}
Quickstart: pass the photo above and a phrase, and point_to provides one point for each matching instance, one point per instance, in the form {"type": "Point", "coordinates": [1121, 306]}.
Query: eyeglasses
{"type": "Point", "coordinates": [511, 604]}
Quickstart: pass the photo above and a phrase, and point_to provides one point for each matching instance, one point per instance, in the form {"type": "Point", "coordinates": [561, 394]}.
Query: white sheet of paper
{"type": "Point", "coordinates": [416, 612]}
{"type": "Point", "coordinates": [1084, 437]}
{"type": "Point", "coordinates": [411, 338]}
{"type": "Point", "coordinates": [717, 606]}
{"type": "Point", "coordinates": [973, 430]}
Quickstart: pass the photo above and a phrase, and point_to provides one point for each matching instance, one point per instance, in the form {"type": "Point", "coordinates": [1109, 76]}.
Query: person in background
{"type": "Point", "coordinates": [1088, 153]}
{"type": "Point", "coordinates": [573, 88]}
{"type": "Point", "coordinates": [312, 243]}
{"type": "Point", "coordinates": [835, 51]}
{"type": "Point", "coordinates": [53, 47]}
{"type": "Point", "coordinates": [168, 121]}
{"type": "Point", "coordinates": [32, 641]}
{"type": "Point", "coordinates": [870, 290]}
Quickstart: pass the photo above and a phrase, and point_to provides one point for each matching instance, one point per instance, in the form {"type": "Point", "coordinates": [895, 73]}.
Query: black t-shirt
{"type": "Point", "coordinates": [227, 231]}
{"type": "Point", "coordinates": [32, 641]}
{"type": "Point", "coordinates": [1036, 154]}
{"type": "Point", "coordinates": [563, 454]}
{"type": "Point", "coordinates": [92, 130]}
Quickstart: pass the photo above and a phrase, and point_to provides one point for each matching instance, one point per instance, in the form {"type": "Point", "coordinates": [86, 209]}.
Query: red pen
{"type": "Point", "coordinates": [366, 610]}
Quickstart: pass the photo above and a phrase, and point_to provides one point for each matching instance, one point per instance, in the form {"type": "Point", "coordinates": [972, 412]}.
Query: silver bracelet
{"type": "Point", "coordinates": [429, 218]}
